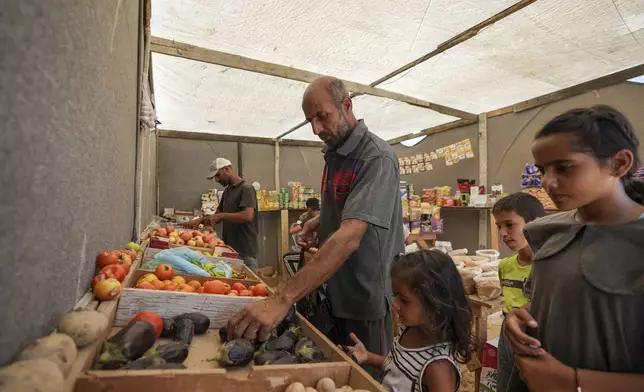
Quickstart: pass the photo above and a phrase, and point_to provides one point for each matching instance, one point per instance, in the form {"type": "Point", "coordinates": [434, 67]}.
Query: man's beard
{"type": "Point", "coordinates": [337, 137]}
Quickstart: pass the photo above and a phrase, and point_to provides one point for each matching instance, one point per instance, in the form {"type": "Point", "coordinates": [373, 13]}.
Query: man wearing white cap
{"type": "Point", "coordinates": [236, 211]}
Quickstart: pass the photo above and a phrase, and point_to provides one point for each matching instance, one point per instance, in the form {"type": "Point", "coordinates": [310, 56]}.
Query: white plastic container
{"type": "Point", "coordinates": [492, 254]}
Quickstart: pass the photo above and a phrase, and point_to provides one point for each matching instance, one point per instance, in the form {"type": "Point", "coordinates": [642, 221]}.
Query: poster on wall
{"type": "Point", "coordinates": [451, 154]}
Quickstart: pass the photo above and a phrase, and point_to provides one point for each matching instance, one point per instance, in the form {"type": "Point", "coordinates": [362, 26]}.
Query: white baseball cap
{"type": "Point", "coordinates": [216, 165]}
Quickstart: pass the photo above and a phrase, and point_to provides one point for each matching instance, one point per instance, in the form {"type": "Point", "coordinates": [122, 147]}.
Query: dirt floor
{"type": "Point", "coordinates": [493, 329]}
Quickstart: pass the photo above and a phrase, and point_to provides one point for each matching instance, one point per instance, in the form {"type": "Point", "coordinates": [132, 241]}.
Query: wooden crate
{"type": "Point", "coordinates": [218, 308]}
{"type": "Point", "coordinates": [202, 375]}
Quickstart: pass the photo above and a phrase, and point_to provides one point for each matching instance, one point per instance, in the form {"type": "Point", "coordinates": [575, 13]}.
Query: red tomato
{"type": "Point", "coordinates": [164, 271]}
{"type": "Point", "coordinates": [114, 271]}
{"type": "Point", "coordinates": [106, 258]}
{"type": "Point", "coordinates": [238, 286]}
{"type": "Point", "coordinates": [152, 318]}
{"type": "Point", "coordinates": [245, 293]}
{"type": "Point", "coordinates": [260, 291]}
{"type": "Point", "coordinates": [107, 289]}
{"type": "Point", "coordinates": [215, 287]}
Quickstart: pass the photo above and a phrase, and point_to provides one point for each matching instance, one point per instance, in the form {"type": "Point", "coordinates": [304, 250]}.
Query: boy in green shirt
{"type": "Point", "coordinates": [511, 214]}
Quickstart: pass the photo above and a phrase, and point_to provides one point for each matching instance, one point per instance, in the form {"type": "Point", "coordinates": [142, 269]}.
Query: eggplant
{"type": "Point", "coordinates": [168, 328]}
{"type": "Point", "coordinates": [201, 321]}
{"type": "Point", "coordinates": [238, 352]}
{"type": "Point", "coordinates": [285, 360]}
{"type": "Point", "coordinates": [286, 341]}
{"type": "Point", "coordinates": [184, 330]}
{"type": "Point", "coordinates": [145, 362]}
{"type": "Point", "coordinates": [307, 352]}
{"type": "Point", "coordinates": [223, 334]}
{"type": "Point", "coordinates": [175, 352]}
{"type": "Point", "coordinates": [130, 343]}
{"type": "Point", "coordinates": [288, 322]}
{"type": "Point", "coordinates": [269, 357]}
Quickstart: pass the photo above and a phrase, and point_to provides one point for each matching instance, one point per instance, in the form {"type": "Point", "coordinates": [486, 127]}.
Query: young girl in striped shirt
{"type": "Point", "coordinates": [437, 323]}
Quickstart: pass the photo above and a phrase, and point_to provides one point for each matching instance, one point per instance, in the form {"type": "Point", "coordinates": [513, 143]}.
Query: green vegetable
{"type": "Point", "coordinates": [133, 246]}
{"type": "Point", "coordinates": [184, 330]}
{"type": "Point", "coordinates": [200, 321]}
{"type": "Point", "coordinates": [238, 352]}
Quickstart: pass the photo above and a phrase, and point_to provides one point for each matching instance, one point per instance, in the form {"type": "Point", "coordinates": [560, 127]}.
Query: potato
{"type": "Point", "coordinates": [57, 347]}
{"type": "Point", "coordinates": [33, 375]}
{"type": "Point", "coordinates": [326, 385]}
{"type": "Point", "coordinates": [84, 326]}
{"type": "Point", "coordinates": [345, 388]}
{"type": "Point", "coordinates": [309, 389]}
{"type": "Point", "coordinates": [296, 387]}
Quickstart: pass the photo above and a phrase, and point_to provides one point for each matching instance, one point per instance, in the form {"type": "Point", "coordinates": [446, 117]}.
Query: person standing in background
{"type": "Point", "coordinates": [237, 212]}
{"type": "Point", "coordinates": [312, 211]}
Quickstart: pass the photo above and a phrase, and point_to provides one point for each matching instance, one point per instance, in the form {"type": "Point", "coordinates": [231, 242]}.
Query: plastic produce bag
{"type": "Point", "coordinates": [187, 261]}
{"type": "Point", "coordinates": [488, 286]}
{"type": "Point", "coordinates": [468, 274]}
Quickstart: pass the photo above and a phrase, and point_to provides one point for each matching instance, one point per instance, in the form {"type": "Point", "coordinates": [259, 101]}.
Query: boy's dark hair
{"type": "Point", "coordinates": [433, 277]}
{"type": "Point", "coordinates": [601, 131]}
{"type": "Point", "coordinates": [525, 205]}
{"type": "Point", "coordinates": [313, 203]}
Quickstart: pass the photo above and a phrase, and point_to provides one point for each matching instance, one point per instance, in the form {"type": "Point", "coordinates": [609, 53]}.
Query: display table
{"type": "Point", "coordinates": [481, 310]}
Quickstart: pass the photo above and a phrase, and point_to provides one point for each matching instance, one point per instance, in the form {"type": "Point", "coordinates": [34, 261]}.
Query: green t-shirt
{"type": "Point", "coordinates": [512, 276]}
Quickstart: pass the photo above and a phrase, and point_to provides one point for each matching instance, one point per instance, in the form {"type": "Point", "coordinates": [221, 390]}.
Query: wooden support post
{"type": "Point", "coordinates": [280, 221]}
{"type": "Point", "coordinates": [483, 214]}
{"type": "Point", "coordinates": [240, 164]}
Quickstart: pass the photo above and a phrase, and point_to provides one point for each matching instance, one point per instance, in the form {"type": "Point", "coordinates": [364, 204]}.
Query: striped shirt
{"type": "Point", "coordinates": [404, 367]}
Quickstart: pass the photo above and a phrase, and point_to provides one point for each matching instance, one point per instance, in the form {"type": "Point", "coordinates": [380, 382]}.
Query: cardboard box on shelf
{"type": "Point", "coordinates": [489, 371]}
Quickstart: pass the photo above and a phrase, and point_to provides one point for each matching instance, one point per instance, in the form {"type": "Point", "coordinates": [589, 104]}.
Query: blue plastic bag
{"type": "Point", "coordinates": [183, 261]}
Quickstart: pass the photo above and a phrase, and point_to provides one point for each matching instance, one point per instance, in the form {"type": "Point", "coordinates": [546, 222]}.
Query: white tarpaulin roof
{"type": "Point", "coordinates": [545, 47]}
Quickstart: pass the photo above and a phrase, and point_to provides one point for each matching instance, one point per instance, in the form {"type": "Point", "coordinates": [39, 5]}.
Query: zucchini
{"type": "Point", "coordinates": [201, 321]}
{"type": "Point", "coordinates": [238, 352]}
{"type": "Point", "coordinates": [184, 330]}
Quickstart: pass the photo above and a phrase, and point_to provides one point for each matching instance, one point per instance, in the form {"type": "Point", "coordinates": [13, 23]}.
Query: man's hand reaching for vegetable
{"type": "Point", "coordinates": [258, 319]}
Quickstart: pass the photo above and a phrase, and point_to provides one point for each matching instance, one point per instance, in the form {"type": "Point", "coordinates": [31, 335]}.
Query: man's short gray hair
{"type": "Point", "coordinates": [338, 91]}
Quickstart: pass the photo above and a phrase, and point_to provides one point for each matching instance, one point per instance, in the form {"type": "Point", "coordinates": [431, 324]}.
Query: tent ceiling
{"type": "Point", "coordinates": [545, 47]}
